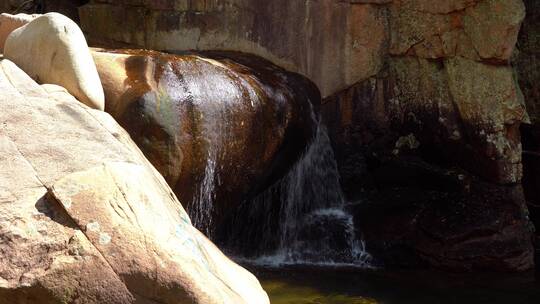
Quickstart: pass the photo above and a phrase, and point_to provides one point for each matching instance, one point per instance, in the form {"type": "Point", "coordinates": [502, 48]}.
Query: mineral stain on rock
{"type": "Point", "coordinates": [220, 127]}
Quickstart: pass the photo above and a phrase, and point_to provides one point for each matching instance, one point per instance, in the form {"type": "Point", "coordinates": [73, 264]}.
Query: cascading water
{"type": "Point", "coordinates": [214, 132]}
{"type": "Point", "coordinates": [300, 219]}
{"type": "Point", "coordinates": [210, 132]}
{"type": "Point", "coordinates": [201, 212]}
{"type": "Point", "coordinates": [314, 226]}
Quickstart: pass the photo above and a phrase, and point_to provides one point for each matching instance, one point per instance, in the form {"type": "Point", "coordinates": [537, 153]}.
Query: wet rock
{"type": "Point", "coordinates": [328, 231]}
{"type": "Point", "coordinates": [219, 130]}
{"type": "Point", "coordinates": [458, 112]}
{"type": "Point", "coordinates": [408, 163]}
{"type": "Point", "coordinates": [85, 218]}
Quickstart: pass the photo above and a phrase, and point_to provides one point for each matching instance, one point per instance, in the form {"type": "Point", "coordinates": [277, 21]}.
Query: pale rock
{"type": "Point", "coordinates": [85, 218]}
{"type": "Point", "coordinates": [9, 23]}
{"type": "Point", "coordinates": [52, 49]}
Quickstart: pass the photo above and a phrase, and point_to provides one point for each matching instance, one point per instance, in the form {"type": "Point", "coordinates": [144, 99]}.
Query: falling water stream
{"type": "Point", "coordinates": [201, 213]}
{"type": "Point", "coordinates": [308, 224]}
{"type": "Point", "coordinates": [314, 226]}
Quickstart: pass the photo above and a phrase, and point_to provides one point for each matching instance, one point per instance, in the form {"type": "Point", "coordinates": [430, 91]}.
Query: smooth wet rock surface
{"type": "Point", "coordinates": [220, 130]}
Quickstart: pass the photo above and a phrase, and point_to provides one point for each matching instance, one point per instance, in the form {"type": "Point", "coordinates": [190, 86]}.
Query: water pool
{"type": "Point", "coordinates": [313, 285]}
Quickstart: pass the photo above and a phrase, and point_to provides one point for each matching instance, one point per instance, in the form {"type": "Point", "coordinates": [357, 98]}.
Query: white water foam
{"type": "Point", "coordinates": [314, 226]}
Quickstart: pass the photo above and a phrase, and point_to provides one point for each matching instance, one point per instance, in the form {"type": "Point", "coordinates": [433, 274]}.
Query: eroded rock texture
{"type": "Point", "coordinates": [85, 218]}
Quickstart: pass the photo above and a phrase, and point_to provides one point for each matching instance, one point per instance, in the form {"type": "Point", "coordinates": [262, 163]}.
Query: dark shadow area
{"type": "Point", "coordinates": [531, 178]}
{"type": "Point", "coordinates": [340, 286]}
{"type": "Point", "coordinates": [49, 206]}
{"type": "Point", "coordinates": [69, 8]}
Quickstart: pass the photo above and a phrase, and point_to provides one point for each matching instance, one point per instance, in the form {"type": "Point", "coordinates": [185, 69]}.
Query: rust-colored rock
{"type": "Point", "coordinates": [478, 30]}
{"type": "Point", "coordinates": [219, 130]}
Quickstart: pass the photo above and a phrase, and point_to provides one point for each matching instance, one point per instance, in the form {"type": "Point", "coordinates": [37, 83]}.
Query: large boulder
{"type": "Point", "coordinates": [52, 49]}
{"type": "Point", "coordinates": [219, 130]}
{"type": "Point", "coordinates": [85, 218]}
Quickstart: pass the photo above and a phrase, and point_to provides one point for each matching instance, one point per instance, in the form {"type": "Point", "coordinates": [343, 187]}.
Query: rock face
{"type": "Point", "coordinates": [447, 86]}
{"type": "Point", "coordinates": [428, 217]}
{"type": "Point", "coordinates": [405, 83]}
{"type": "Point", "coordinates": [219, 130]}
{"type": "Point", "coordinates": [427, 132]}
{"type": "Point", "coordinates": [52, 49]}
{"type": "Point", "coordinates": [449, 59]}
{"type": "Point", "coordinates": [412, 166]}
{"type": "Point", "coordinates": [324, 40]}
{"type": "Point", "coordinates": [85, 218]}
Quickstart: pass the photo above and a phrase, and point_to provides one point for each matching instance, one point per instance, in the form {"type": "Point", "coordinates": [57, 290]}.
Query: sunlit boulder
{"type": "Point", "coordinates": [85, 218]}
{"type": "Point", "coordinates": [52, 49]}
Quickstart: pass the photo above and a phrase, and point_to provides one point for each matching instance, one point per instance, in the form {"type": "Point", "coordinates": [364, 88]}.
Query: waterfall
{"type": "Point", "coordinates": [301, 219]}
{"type": "Point", "coordinates": [203, 200]}
{"type": "Point", "coordinates": [314, 226]}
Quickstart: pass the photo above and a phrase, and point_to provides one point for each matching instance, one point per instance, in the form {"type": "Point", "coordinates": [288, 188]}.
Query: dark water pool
{"type": "Point", "coordinates": [353, 286]}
